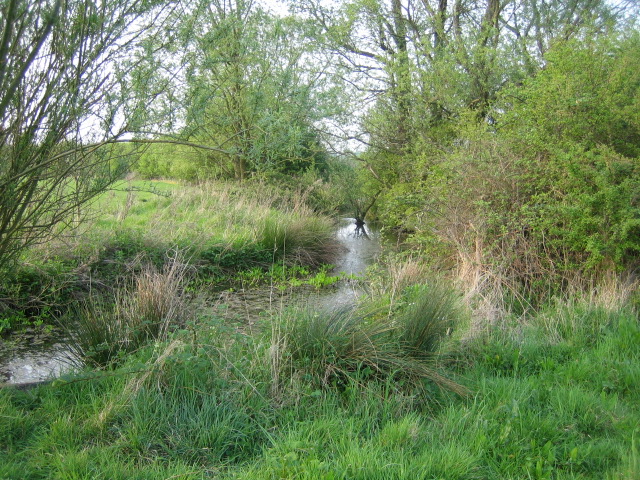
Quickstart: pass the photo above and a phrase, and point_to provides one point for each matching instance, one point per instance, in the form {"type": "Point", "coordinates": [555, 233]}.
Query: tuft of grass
{"type": "Point", "coordinates": [432, 314]}
{"type": "Point", "coordinates": [299, 236]}
{"type": "Point", "coordinates": [335, 345]}
{"type": "Point", "coordinates": [144, 310]}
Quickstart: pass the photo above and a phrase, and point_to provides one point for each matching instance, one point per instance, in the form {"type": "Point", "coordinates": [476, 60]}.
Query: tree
{"type": "Point", "coordinates": [549, 193]}
{"type": "Point", "coordinates": [420, 67]}
{"type": "Point", "coordinates": [418, 64]}
{"type": "Point", "coordinates": [249, 88]}
{"type": "Point", "coordinates": [64, 100]}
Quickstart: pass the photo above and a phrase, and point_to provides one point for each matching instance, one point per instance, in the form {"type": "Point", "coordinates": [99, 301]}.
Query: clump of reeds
{"type": "Point", "coordinates": [143, 310]}
{"type": "Point", "coordinates": [393, 274]}
{"type": "Point", "coordinates": [335, 345]}
{"type": "Point", "coordinates": [300, 237]}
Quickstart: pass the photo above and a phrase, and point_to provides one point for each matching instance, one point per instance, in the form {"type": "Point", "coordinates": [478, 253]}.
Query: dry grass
{"type": "Point", "coordinates": [404, 273]}
{"type": "Point", "coordinates": [157, 302]}
{"type": "Point", "coordinates": [144, 310]}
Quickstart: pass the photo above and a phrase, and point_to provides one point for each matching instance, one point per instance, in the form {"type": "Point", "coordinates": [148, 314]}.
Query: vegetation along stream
{"type": "Point", "coordinates": [179, 300]}
{"type": "Point", "coordinates": [38, 354]}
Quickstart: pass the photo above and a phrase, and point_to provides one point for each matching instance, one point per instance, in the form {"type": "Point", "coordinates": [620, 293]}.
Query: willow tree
{"type": "Point", "coordinates": [63, 103]}
{"type": "Point", "coordinates": [249, 88]}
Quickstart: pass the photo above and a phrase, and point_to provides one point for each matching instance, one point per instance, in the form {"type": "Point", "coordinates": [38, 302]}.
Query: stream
{"type": "Point", "coordinates": [38, 355]}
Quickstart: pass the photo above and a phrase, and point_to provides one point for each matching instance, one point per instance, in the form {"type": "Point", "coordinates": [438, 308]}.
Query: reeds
{"type": "Point", "coordinates": [105, 329]}
{"type": "Point", "coordinates": [334, 345]}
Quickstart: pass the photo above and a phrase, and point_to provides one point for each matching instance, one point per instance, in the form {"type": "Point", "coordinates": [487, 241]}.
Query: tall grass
{"type": "Point", "coordinates": [495, 299]}
{"type": "Point", "coordinates": [220, 225]}
{"type": "Point", "coordinates": [338, 344]}
{"type": "Point", "coordinates": [545, 404]}
{"type": "Point", "coordinates": [299, 237]}
{"type": "Point", "coordinates": [434, 311]}
{"type": "Point", "coordinates": [145, 309]}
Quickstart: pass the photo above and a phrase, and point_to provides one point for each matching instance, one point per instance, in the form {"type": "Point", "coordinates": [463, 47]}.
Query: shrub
{"type": "Point", "coordinates": [427, 320]}
{"type": "Point", "coordinates": [34, 293]}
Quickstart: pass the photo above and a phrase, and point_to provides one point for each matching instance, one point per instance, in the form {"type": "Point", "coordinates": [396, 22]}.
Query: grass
{"type": "Point", "coordinates": [339, 345]}
{"type": "Point", "coordinates": [226, 230]}
{"type": "Point", "coordinates": [554, 397]}
{"type": "Point", "coordinates": [370, 393]}
{"type": "Point", "coordinates": [102, 329]}
{"type": "Point", "coordinates": [227, 233]}
{"type": "Point", "coordinates": [210, 221]}
{"type": "Point", "coordinates": [224, 211]}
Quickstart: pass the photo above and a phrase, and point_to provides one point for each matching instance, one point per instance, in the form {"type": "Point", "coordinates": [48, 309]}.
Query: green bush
{"type": "Point", "coordinates": [576, 131]}
{"type": "Point", "coordinates": [543, 198]}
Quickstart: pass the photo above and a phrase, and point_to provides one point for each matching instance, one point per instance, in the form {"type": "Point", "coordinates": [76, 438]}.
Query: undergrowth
{"type": "Point", "coordinates": [419, 381]}
{"type": "Point", "coordinates": [319, 395]}
{"type": "Point", "coordinates": [231, 236]}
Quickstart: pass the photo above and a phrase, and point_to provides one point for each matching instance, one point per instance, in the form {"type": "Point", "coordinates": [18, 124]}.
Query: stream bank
{"type": "Point", "coordinates": [38, 355]}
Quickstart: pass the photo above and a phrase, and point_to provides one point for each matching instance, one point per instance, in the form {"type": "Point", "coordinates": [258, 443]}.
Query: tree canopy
{"type": "Point", "coordinates": [480, 127]}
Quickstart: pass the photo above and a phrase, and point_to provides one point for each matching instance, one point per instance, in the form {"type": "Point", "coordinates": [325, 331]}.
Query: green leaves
{"type": "Point", "coordinates": [575, 131]}
{"type": "Point", "coordinates": [249, 88]}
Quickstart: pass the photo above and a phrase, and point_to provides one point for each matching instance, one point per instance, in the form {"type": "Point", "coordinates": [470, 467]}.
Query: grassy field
{"type": "Point", "coordinates": [227, 234]}
{"type": "Point", "coordinates": [202, 220]}
{"type": "Point", "coordinates": [553, 396]}
{"type": "Point", "coordinates": [414, 383]}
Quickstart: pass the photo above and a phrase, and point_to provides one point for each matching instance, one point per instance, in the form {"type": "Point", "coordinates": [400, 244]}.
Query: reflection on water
{"type": "Point", "coordinates": [362, 246]}
{"type": "Point", "coordinates": [36, 356]}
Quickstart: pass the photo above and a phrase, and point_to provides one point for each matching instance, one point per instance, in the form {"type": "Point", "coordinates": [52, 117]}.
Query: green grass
{"type": "Point", "coordinates": [228, 233]}
{"type": "Point", "coordinates": [223, 228]}
{"type": "Point", "coordinates": [213, 402]}
{"type": "Point", "coordinates": [340, 345]}
{"type": "Point", "coordinates": [210, 220]}
{"type": "Point", "coordinates": [364, 394]}
{"type": "Point", "coordinates": [103, 329]}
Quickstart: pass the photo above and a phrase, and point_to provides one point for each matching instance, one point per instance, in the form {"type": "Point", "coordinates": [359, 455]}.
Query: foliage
{"type": "Point", "coordinates": [501, 139]}
{"type": "Point", "coordinates": [249, 90]}
{"type": "Point", "coordinates": [176, 162]}
{"type": "Point", "coordinates": [543, 197]}
{"type": "Point", "coordinates": [283, 275]}
{"type": "Point", "coordinates": [35, 294]}
{"type": "Point", "coordinates": [586, 95]}
{"type": "Point", "coordinates": [203, 404]}
{"type": "Point", "coordinates": [54, 85]}
{"type": "Point", "coordinates": [579, 116]}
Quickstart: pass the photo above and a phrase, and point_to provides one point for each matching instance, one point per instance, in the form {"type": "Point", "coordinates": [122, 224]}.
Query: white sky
{"type": "Point", "coordinates": [278, 7]}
